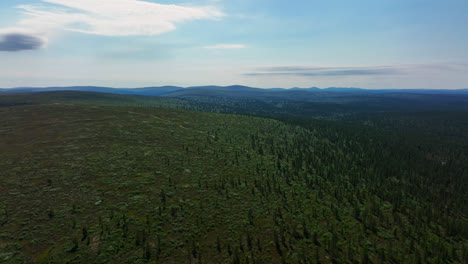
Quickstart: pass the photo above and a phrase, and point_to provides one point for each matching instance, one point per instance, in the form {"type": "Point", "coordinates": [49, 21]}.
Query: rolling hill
{"type": "Point", "coordinates": [106, 178]}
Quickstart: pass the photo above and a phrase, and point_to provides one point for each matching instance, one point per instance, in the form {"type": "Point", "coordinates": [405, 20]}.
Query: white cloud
{"type": "Point", "coordinates": [225, 46]}
{"type": "Point", "coordinates": [110, 17]}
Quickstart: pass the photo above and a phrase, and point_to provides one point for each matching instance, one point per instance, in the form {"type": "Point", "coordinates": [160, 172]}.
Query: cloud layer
{"type": "Point", "coordinates": [19, 42]}
{"type": "Point", "coordinates": [328, 71]}
{"type": "Point", "coordinates": [98, 17]}
{"type": "Point", "coordinates": [112, 17]}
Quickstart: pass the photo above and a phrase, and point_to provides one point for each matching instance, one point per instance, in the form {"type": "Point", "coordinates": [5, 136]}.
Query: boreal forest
{"type": "Point", "coordinates": [233, 175]}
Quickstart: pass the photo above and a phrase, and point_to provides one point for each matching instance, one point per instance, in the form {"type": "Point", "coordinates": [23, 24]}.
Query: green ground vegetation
{"type": "Point", "coordinates": [93, 180]}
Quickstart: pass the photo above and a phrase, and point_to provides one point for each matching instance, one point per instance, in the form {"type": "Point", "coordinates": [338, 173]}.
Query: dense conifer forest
{"type": "Point", "coordinates": [104, 178]}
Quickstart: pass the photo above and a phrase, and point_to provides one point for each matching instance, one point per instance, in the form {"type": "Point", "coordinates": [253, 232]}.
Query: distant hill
{"type": "Point", "coordinates": [205, 94]}
{"type": "Point", "coordinates": [234, 90]}
{"type": "Point", "coordinates": [149, 91]}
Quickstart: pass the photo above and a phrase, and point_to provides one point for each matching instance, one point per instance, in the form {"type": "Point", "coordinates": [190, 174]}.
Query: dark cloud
{"type": "Point", "coordinates": [19, 41]}
{"type": "Point", "coordinates": [311, 71]}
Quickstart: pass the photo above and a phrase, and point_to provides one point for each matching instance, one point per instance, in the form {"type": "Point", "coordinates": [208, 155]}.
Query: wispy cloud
{"type": "Point", "coordinates": [114, 17]}
{"type": "Point", "coordinates": [108, 17]}
{"type": "Point", "coordinates": [328, 71]}
{"type": "Point", "coordinates": [225, 47]}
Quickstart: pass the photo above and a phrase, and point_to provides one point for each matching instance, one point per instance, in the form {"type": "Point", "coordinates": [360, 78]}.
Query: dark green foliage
{"type": "Point", "coordinates": [84, 234]}
{"type": "Point", "coordinates": [51, 213]}
{"type": "Point", "coordinates": [136, 184]}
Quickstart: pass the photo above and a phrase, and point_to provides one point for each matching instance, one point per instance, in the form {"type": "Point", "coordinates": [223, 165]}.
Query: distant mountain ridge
{"type": "Point", "coordinates": [235, 90]}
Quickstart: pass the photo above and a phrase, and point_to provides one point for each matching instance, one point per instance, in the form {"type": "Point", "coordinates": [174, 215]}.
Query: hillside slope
{"type": "Point", "coordinates": [101, 184]}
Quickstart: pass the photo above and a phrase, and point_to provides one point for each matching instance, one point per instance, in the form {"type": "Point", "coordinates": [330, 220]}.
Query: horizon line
{"type": "Point", "coordinates": [233, 85]}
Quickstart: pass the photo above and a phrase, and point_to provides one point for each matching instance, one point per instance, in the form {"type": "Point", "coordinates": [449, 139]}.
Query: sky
{"type": "Point", "coordinates": [261, 43]}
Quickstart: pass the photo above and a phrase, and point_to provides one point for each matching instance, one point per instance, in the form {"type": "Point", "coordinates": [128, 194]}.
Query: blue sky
{"type": "Point", "coordinates": [261, 43]}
